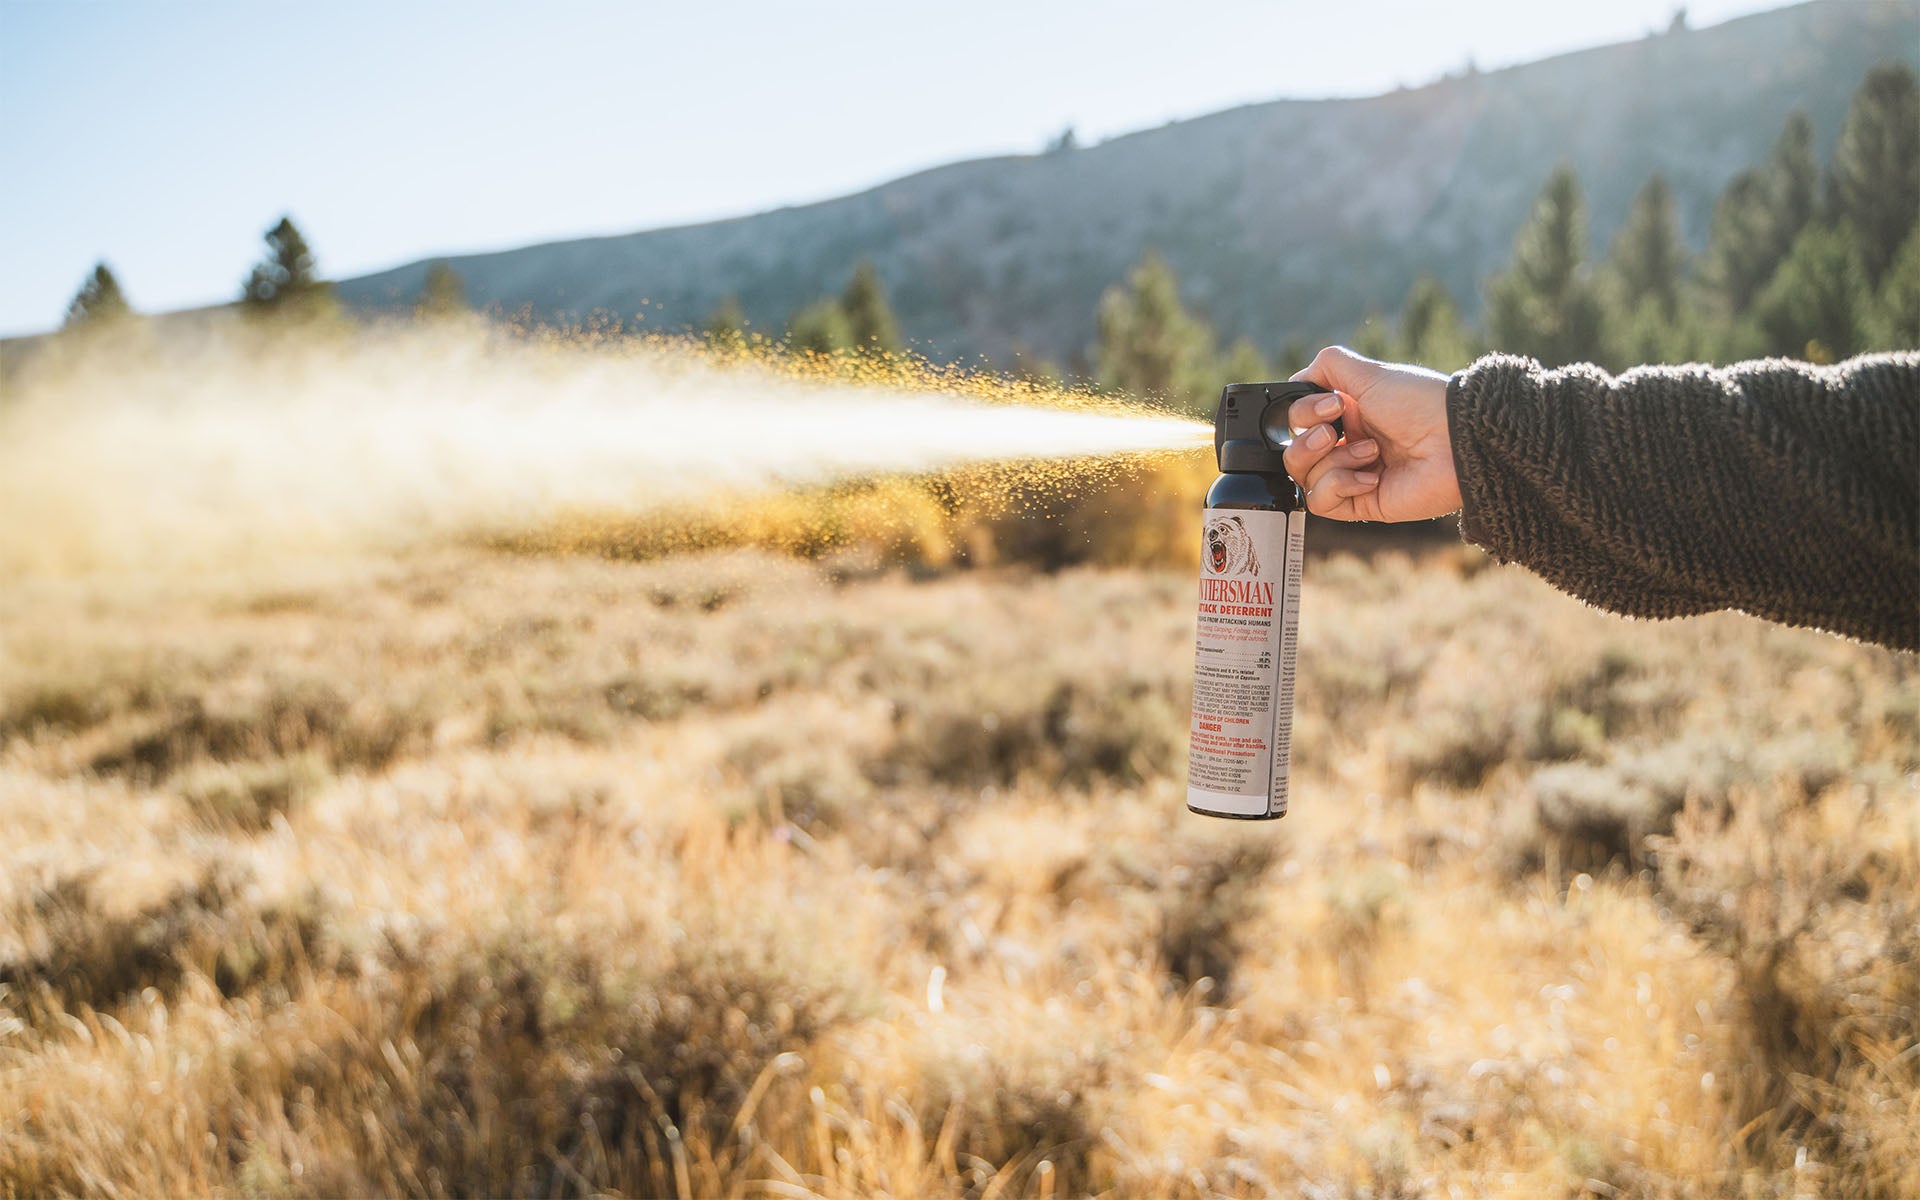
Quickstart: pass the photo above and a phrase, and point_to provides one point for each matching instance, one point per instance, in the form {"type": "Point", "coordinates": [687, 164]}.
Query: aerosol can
{"type": "Point", "coordinates": [1245, 649]}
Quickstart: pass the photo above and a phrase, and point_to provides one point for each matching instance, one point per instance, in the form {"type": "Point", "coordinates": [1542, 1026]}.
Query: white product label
{"type": "Point", "coordinates": [1243, 665]}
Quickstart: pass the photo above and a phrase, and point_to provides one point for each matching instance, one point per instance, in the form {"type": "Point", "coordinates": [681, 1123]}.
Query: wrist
{"type": "Point", "coordinates": [1451, 498]}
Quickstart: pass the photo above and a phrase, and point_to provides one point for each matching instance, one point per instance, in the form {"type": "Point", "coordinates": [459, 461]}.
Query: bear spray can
{"type": "Point", "coordinates": [1240, 759]}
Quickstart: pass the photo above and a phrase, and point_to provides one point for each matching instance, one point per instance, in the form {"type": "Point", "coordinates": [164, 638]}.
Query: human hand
{"type": "Point", "coordinates": [1395, 462]}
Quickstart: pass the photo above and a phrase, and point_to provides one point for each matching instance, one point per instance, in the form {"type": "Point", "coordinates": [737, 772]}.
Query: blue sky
{"type": "Point", "coordinates": [165, 136]}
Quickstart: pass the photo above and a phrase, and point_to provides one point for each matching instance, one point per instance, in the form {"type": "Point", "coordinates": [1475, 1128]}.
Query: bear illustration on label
{"type": "Point", "coordinates": [1230, 548]}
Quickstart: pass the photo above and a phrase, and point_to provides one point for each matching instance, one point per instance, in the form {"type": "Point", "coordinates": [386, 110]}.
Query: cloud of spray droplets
{"type": "Point", "coordinates": [230, 451]}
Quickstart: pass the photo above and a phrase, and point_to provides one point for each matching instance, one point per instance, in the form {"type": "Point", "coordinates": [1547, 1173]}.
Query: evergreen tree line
{"type": "Point", "coordinates": [1799, 262]}
{"type": "Point", "coordinates": [284, 286]}
{"type": "Point", "coordinates": [858, 321]}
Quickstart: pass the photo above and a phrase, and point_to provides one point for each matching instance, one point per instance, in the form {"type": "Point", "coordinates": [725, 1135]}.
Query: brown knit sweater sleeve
{"type": "Point", "coordinates": [1787, 490]}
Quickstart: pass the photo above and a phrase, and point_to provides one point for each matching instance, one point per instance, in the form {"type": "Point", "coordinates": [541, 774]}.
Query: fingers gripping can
{"type": "Point", "coordinates": [1246, 639]}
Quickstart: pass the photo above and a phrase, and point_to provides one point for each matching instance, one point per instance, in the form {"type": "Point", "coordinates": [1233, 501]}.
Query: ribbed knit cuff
{"type": "Point", "coordinates": [1492, 406]}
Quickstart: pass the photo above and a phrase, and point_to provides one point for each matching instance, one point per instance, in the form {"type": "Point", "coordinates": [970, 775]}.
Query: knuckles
{"type": "Point", "coordinates": [1334, 356]}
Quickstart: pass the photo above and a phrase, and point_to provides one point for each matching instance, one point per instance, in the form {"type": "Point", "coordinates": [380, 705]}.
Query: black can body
{"type": "Point", "coordinates": [1246, 637]}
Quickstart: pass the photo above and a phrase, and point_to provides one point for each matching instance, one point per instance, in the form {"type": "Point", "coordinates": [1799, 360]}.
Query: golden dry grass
{"type": "Point", "coordinates": [728, 874]}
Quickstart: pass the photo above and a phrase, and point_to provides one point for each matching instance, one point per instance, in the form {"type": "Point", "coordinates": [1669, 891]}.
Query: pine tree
{"type": "Point", "coordinates": [1544, 304]}
{"type": "Point", "coordinates": [1876, 165]}
{"type": "Point", "coordinates": [1642, 286]}
{"type": "Point", "coordinates": [870, 321]}
{"type": "Point", "coordinates": [1817, 306]}
{"type": "Point", "coordinates": [1759, 216]}
{"type": "Point", "coordinates": [286, 283]}
{"type": "Point", "coordinates": [1794, 173]}
{"type": "Point", "coordinates": [99, 302]}
{"type": "Point", "coordinates": [727, 324]}
{"type": "Point", "coordinates": [1149, 345]}
{"type": "Point", "coordinates": [821, 328]}
{"type": "Point", "coordinates": [1244, 363]}
{"type": "Point", "coordinates": [1432, 332]}
{"type": "Point", "coordinates": [1896, 318]}
{"type": "Point", "coordinates": [1648, 258]}
{"type": "Point", "coordinates": [1034, 368]}
{"type": "Point", "coordinates": [1295, 356]}
{"type": "Point", "coordinates": [1372, 337]}
{"type": "Point", "coordinates": [443, 295]}
{"type": "Point", "coordinates": [1741, 250]}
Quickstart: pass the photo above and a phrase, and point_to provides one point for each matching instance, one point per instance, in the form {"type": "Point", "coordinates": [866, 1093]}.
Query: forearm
{"type": "Point", "coordinates": [1789, 491]}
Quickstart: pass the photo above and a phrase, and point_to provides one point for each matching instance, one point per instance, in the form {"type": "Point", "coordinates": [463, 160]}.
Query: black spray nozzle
{"type": "Point", "coordinates": [1250, 426]}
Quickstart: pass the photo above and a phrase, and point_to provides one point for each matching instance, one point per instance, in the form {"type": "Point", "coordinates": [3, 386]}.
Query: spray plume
{"type": "Point", "coordinates": [232, 449]}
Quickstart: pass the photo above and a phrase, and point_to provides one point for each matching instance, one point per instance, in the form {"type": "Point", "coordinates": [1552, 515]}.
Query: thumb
{"type": "Point", "coordinates": [1339, 369]}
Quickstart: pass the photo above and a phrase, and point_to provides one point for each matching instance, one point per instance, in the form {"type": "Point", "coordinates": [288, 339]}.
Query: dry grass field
{"type": "Point", "coordinates": [469, 873]}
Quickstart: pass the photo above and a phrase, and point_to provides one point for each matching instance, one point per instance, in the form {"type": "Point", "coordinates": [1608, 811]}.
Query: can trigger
{"type": "Point", "coordinates": [1280, 435]}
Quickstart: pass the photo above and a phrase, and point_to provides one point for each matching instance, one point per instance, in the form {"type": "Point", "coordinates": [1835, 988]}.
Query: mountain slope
{"type": "Point", "coordinates": [1285, 219]}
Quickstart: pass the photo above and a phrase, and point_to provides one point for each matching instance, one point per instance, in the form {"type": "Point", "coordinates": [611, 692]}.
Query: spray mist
{"type": "Point", "coordinates": [1246, 643]}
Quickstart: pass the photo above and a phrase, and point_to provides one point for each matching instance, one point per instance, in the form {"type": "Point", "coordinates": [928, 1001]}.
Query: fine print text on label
{"type": "Point", "coordinates": [1244, 656]}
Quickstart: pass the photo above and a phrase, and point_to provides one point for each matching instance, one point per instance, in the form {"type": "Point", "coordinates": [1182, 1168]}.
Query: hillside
{"type": "Point", "coordinates": [1286, 219]}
